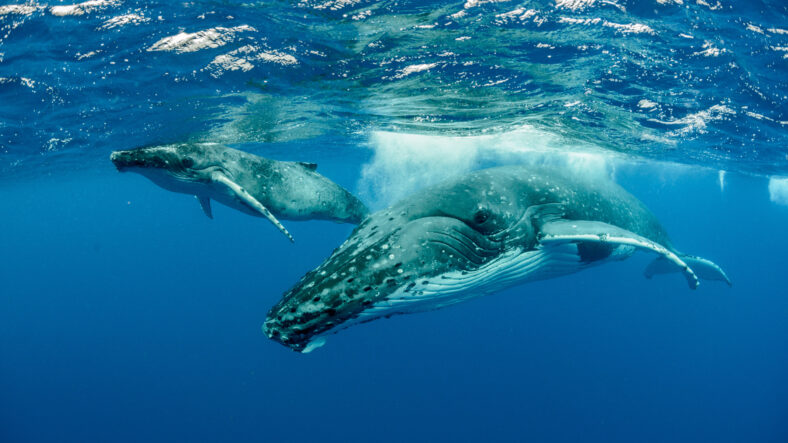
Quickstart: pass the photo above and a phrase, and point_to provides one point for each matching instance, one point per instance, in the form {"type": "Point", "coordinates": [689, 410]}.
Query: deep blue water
{"type": "Point", "coordinates": [127, 315]}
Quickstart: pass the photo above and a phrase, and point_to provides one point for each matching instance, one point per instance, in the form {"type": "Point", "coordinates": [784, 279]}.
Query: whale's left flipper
{"type": "Point", "coordinates": [247, 198]}
{"type": "Point", "coordinates": [205, 204]}
{"type": "Point", "coordinates": [558, 231]}
{"type": "Point", "coordinates": [706, 269]}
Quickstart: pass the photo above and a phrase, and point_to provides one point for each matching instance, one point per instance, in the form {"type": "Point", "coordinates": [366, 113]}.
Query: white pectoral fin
{"type": "Point", "coordinates": [205, 204]}
{"type": "Point", "coordinates": [584, 231]}
{"type": "Point", "coordinates": [247, 198]}
{"type": "Point", "coordinates": [706, 269]}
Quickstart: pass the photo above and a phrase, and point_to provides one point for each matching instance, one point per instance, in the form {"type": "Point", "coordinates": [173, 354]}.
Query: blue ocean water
{"type": "Point", "coordinates": [127, 315]}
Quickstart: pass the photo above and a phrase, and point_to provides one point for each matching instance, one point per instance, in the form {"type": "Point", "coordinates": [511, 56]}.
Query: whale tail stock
{"type": "Point", "coordinates": [705, 269]}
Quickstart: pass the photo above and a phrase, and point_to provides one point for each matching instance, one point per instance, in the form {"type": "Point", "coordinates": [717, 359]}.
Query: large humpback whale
{"type": "Point", "coordinates": [246, 182]}
{"type": "Point", "coordinates": [472, 236]}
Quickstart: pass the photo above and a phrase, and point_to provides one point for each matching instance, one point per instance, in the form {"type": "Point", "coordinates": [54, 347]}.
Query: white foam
{"type": "Point", "coordinates": [474, 3]}
{"type": "Point", "coordinates": [709, 50]}
{"type": "Point", "coordinates": [412, 69]}
{"type": "Point", "coordinates": [195, 41]}
{"type": "Point", "coordinates": [19, 9]}
{"type": "Point", "coordinates": [242, 59]}
{"type": "Point", "coordinates": [123, 20]}
{"type": "Point", "coordinates": [629, 28]}
{"type": "Point", "coordinates": [81, 56]}
{"type": "Point", "coordinates": [520, 14]}
{"type": "Point", "coordinates": [403, 163]}
{"type": "Point", "coordinates": [696, 122]}
{"type": "Point", "coordinates": [646, 104]}
{"type": "Point", "coordinates": [82, 8]}
{"type": "Point", "coordinates": [781, 49]}
{"type": "Point", "coordinates": [277, 57]}
{"type": "Point", "coordinates": [711, 7]}
{"type": "Point", "coordinates": [336, 5]}
{"type": "Point", "coordinates": [362, 15]}
{"type": "Point", "coordinates": [778, 190]}
{"type": "Point", "coordinates": [624, 28]}
{"type": "Point", "coordinates": [754, 28]}
{"type": "Point", "coordinates": [574, 5]}
{"type": "Point", "coordinates": [229, 62]}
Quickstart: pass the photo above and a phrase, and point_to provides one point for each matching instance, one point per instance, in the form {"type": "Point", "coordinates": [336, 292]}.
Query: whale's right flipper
{"type": "Point", "coordinates": [556, 231]}
{"type": "Point", "coordinates": [247, 198]}
{"type": "Point", "coordinates": [706, 269]}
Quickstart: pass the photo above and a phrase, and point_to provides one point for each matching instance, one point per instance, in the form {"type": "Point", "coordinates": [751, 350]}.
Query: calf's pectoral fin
{"type": "Point", "coordinates": [706, 269]}
{"type": "Point", "coordinates": [205, 204]}
{"type": "Point", "coordinates": [252, 202]}
{"type": "Point", "coordinates": [552, 231]}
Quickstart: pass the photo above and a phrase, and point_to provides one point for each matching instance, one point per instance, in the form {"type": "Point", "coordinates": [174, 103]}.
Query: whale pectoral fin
{"type": "Point", "coordinates": [706, 269]}
{"type": "Point", "coordinates": [252, 202]}
{"type": "Point", "coordinates": [584, 232]}
{"type": "Point", "coordinates": [205, 204]}
{"type": "Point", "coordinates": [310, 166]}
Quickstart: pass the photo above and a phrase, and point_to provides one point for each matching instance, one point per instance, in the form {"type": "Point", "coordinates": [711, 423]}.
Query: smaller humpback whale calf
{"type": "Point", "coordinates": [249, 183]}
{"type": "Point", "coordinates": [471, 236]}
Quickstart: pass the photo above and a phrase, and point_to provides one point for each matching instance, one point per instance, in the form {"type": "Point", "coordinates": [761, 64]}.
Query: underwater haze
{"type": "Point", "coordinates": [127, 315]}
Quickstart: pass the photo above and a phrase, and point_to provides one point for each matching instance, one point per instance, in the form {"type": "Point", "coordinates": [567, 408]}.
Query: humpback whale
{"type": "Point", "coordinates": [249, 183]}
{"type": "Point", "coordinates": [471, 236]}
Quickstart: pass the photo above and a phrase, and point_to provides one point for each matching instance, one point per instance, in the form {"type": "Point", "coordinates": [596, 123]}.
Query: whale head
{"type": "Point", "coordinates": [420, 254]}
{"type": "Point", "coordinates": [180, 167]}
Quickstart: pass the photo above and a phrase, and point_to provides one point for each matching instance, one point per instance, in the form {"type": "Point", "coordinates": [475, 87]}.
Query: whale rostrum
{"type": "Point", "coordinates": [471, 236]}
{"type": "Point", "coordinates": [246, 182]}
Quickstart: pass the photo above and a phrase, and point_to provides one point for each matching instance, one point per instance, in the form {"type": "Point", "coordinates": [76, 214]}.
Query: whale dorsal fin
{"type": "Point", "coordinates": [247, 198]}
{"type": "Point", "coordinates": [205, 204]}
{"type": "Point", "coordinates": [584, 232]}
{"type": "Point", "coordinates": [310, 166]}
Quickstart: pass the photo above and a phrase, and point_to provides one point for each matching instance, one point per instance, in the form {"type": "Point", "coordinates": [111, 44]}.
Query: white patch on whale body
{"type": "Point", "coordinates": [403, 163]}
{"type": "Point", "coordinates": [778, 190]}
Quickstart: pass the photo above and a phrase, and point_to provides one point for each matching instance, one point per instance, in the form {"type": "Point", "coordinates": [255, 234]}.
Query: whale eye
{"type": "Point", "coordinates": [187, 162]}
{"type": "Point", "coordinates": [481, 216]}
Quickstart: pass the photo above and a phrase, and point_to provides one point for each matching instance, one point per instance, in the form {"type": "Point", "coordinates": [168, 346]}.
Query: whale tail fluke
{"type": "Point", "coordinates": [705, 269]}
